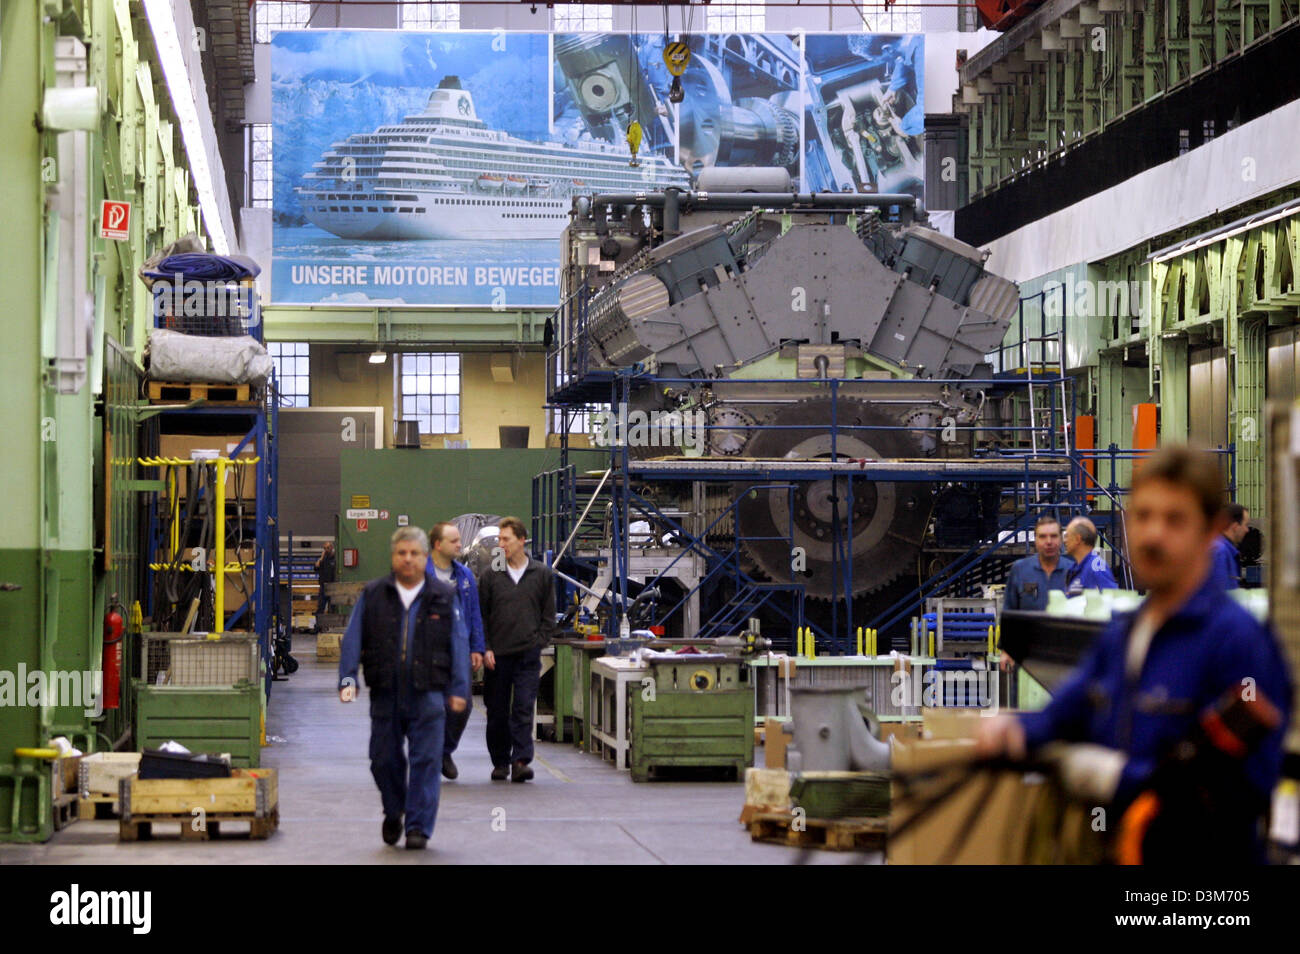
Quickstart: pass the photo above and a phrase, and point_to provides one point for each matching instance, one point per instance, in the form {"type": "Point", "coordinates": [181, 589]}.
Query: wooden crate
{"type": "Point", "coordinates": [328, 645]}
{"type": "Point", "coordinates": [830, 834]}
{"type": "Point", "coordinates": [249, 795]}
{"type": "Point", "coordinates": [169, 392]}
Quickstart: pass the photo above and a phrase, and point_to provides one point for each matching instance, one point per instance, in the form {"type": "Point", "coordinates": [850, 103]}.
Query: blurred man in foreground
{"type": "Point", "coordinates": [1189, 687]}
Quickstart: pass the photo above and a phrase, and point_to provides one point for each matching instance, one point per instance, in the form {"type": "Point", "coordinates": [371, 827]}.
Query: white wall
{"type": "Point", "coordinates": [1252, 160]}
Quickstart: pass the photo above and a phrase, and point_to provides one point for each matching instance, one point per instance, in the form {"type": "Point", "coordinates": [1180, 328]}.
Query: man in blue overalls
{"type": "Point", "coordinates": [1227, 556]}
{"type": "Point", "coordinates": [1031, 578]}
{"type": "Point", "coordinates": [406, 631]}
{"type": "Point", "coordinates": [444, 542]}
{"type": "Point", "coordinates": [1157, 677]}
{"type": "Point", "coordinates": [1090, 570]}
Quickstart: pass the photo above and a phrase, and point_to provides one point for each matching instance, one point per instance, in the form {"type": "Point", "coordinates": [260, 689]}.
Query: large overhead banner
{"type": "Point", "coordinates": [439, 168]}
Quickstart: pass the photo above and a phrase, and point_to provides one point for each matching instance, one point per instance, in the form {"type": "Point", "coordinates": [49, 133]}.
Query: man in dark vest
{"type": "Point", "coordinates": [406, 632]}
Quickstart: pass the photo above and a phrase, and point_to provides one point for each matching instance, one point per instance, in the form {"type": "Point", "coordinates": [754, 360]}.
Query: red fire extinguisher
{"type": "Point", "coordinates": [113, 654]}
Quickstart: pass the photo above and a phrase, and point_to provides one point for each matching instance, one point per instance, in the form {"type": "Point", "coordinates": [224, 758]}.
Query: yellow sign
{"type": "Point", "coordinates": [677, 56]}
{"type": "Point", "coordinates": [360, 501]}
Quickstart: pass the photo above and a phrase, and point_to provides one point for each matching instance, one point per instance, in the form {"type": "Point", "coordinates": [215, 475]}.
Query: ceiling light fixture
{"type": "Point", "coordinates": [166, 36]}
{"type": "Point", "coordinates": [379, 356]}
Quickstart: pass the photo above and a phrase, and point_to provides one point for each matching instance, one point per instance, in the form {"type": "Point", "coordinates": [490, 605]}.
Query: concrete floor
{"type": "Point", "coordinates": [577, 810]}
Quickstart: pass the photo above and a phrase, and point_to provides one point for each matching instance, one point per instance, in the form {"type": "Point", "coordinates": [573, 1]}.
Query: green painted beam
{"type": "Point", "coordinates": [404, 325]}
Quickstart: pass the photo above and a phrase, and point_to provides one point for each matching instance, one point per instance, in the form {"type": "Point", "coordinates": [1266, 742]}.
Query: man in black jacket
{"type": "Point", "coordinates": [324, 575]}
{"type": "Point", "coordinates": [517, 596]}
{"type": "Point", "coordinates": [407, 633]}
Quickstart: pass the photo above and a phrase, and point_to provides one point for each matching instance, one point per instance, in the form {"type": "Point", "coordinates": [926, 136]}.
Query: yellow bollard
{"type": "Point", "coordinates": [858, 641]}
{"type": "Point", "coordinates": [219, 567]}
{"type": "Point", "coordinates": [990, 640]}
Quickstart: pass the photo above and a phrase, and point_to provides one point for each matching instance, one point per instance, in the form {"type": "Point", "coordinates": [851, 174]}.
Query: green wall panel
{"type": "Point", "coordinates": [433, 485]}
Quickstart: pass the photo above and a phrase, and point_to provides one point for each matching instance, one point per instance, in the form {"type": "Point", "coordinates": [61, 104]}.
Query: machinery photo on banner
{"type": "Point", "coordinates": [418, 169]}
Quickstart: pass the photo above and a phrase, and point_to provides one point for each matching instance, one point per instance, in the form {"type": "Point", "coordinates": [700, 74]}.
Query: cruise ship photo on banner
{"type": "Point", "coordinates": [444, 173]}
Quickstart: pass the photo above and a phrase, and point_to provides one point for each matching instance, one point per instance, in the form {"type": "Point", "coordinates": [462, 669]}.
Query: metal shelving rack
{"type": "Point", "coordinates": [258, 422]}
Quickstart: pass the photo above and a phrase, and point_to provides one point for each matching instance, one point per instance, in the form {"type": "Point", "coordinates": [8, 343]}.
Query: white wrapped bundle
{"type": "Point", "coordinates": [193, 358]}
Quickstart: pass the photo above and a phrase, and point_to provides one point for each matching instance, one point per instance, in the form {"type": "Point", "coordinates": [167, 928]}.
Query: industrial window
{"type": "Point", "coordinates": [422, 15]}
{"type": "Point", "coordinates": [258, 165]}
{"type": "Point", "coordinates": [574, 17]}
{"type": "Point", "coordinates": [909, 20]}
{"type": "Point", "coordinates": [736, 17]}
{"type": "Point", "coordinates": [430, 389]}
{"type": "Point", "coordinates": [272, 15]}
{"type": "Point", "coordinates": [292, 372]}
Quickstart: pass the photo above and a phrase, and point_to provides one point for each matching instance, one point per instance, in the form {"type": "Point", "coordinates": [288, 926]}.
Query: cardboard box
{"type": "Point", "coordinates": [904, 732]}
{"type": "Point", "coordinates": [775, 740]}
{"type": "Point", "coordinates": [183, 446]}
{"type": "Point", "coordinates": [1000, 829]}
{"type": "Point", "coordinates": [940, 723]}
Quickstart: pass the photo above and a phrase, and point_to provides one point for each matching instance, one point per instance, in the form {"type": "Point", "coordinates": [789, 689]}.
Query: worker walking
{"type": "Point", "coordinates": [1090, 571]}
{"type": "Point", "coordinates": [406, 632]}
{"type": "Point", "coordinates": [1030, 579]}
{"type": "Point", "coordinates": [324, 576]}
{"type": "Point", "coordinates": [1179, 709]}
{"type": "Point", "coordinates": [517, 596]}
{"type": "Point", "coordinates": [444, 548]}
{"type": "Point", "coordinates": [1227, 555]}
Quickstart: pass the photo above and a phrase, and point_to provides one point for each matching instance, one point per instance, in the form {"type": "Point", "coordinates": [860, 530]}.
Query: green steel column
{"type": "Point", "coordinates": [1249, 430]}
{"type": "Point", "coordinates": [1173, 389]}
{"type": "Point", "coordinates": [21, 616]}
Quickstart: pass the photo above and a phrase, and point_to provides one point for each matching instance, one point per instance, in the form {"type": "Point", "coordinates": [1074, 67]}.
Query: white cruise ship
{"type": "Point", "coordinates": [444, 174]}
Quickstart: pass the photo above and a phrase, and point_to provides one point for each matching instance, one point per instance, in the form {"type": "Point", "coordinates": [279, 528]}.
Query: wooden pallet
{"type": "Point", "coordinates": [140, 827]}
{"type": "Point", "coordinates": [92, 807]}
{"type": "Point", "coordinates": [169, 392]}
{"type": "Point", "coordinates": [829, 834]}
{"type": "Point", "coordinates": [199, 806]}
{"type": "Point", "coordinates": [65, 811]}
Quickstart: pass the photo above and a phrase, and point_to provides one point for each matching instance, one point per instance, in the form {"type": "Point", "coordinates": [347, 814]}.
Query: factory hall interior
{"type": "Point", "coordinates": [695, 433]}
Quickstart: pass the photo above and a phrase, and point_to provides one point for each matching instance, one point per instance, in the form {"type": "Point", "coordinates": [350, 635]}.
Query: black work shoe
{"type": "Point", "coordinates": [520, 772]}
{"type": "Point", "coordinates": [449, 769]}
{"type": "Point", "coordinates": [392, 830]}
{"type": "Point", "coordinates": [499, 772]}
{"type": "Point", "coordinates": [415, 841]}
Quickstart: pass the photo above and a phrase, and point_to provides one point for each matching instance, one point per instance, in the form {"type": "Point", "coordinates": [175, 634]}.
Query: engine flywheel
{"type": "Point", "coordinates": [881, 526]}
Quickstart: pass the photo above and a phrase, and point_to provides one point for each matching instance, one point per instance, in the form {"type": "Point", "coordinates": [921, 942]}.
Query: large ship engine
{"type": "Point", "coordinates": [756, 302]}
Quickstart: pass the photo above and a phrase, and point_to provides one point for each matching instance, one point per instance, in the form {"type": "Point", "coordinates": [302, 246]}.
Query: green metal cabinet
{"type": "Point", "coordinates": [203, 720]}
{"type": "Point", "coordinates": [689, 723]}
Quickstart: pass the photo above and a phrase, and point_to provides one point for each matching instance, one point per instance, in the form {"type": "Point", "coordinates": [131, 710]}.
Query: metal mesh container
{"type": "Point", "coordinates": [210, 660]}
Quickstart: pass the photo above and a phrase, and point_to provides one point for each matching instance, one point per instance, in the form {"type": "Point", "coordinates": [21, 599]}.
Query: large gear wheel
{"type": "Point", "coordinates": [888, 518]}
